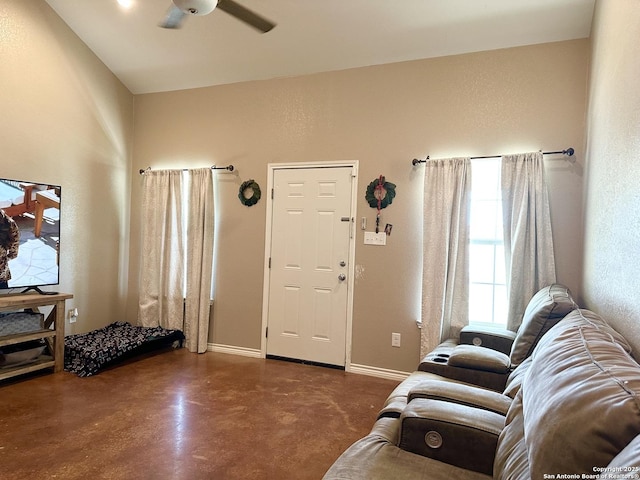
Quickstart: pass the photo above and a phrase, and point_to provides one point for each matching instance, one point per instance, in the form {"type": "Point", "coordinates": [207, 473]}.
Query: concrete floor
{"type": "Point", "coordinates": [179, 415]}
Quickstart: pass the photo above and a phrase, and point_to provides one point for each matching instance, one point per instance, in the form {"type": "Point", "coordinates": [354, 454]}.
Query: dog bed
{"type": "Point", "coordinates": [88, 353]}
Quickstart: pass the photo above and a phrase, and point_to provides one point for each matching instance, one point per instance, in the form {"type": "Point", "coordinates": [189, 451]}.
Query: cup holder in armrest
{"type": "Point", "coordinates": [439, 359]}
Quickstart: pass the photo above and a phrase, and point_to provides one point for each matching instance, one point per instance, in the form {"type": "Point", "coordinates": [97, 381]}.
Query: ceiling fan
{"type": "Point", "coordinates": [182, 8]}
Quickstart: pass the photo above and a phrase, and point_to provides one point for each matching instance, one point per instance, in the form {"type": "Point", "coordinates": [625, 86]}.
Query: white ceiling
{"type": "Point", "coordinates": [311, 36]}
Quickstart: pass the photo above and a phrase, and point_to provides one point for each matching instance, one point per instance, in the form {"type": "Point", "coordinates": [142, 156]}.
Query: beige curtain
{"type": "Point", "coordinates": [200, 221]}
{"type": "Point", "coordinates": [528, 240]}
{"type": "Point", "coordinates": [162, 262]}
{"type": "Point", "coordinates": [445, 277]}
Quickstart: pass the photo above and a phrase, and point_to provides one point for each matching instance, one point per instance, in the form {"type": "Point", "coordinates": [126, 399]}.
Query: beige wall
{"type": "Point", "coordinates": [503, 101]}
{"type": "Point", "coordinates": [612, 201]}
{"type": "Point", "coordinates": [67, 120]}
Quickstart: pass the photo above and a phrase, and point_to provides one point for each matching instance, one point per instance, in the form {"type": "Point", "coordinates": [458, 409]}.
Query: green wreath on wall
{"type": "Point", "coordinates": [380, 193]}
{"type": "Point", "coordinates": [254, 188]}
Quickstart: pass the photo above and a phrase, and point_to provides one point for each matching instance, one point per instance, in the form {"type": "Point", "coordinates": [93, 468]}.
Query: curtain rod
{"type": "Point", "coordinates": [213, 167]}
{"type": "Point", "coordinates": [568, 152]}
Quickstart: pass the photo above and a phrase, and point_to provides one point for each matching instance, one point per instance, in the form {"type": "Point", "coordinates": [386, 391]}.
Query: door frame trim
{"type": "Point", "coordinates": [271, 167]}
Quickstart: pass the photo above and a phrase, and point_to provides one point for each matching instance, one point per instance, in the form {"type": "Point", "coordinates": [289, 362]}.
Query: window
{"type": "Point", "coordinates": [487, 281]}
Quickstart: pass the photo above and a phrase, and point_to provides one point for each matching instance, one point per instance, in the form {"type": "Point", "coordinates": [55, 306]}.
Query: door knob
{"type": "Point", "coordinates": [342, 277]}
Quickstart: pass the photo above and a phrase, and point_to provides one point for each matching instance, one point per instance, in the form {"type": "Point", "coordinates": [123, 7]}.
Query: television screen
{"type": "Point", "coordinates": [29, 234]}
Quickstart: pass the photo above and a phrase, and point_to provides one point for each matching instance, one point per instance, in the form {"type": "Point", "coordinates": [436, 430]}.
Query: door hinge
{"type": "Point", "coordinates": [269, 262]}
{"type": "Point", "coordinates": [272, 194]}
{"type": "Point", "coordinates": [266, 333]}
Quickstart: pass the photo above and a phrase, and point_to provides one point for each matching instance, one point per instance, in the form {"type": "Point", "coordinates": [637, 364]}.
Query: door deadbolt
{"type": "Point", "coordinates": [343, 263]}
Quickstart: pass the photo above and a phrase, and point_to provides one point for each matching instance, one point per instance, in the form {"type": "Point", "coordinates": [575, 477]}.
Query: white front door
{"type": "Point", "coordinates": [311, 225]}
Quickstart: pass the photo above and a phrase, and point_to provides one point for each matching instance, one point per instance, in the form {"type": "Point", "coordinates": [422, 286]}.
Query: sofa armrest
{"type": "Point", "coordinates": [455, 434]}
{"type": "Point", "coordinates": [462, 394]}
{"type": "Point", "coordinates": [393, 409]}
{"type": "Point", "coordinates": [484, 379]}
{"type": "Point", "coordinates": [495, 338]}
{"type": "Point", "coordinates": [477, 358]}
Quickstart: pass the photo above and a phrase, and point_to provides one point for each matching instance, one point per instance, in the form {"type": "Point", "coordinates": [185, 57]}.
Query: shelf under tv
{"type": "Point", "coordinates": [52, 330]}
{"type": "Point", "coordinates": [44, 361]}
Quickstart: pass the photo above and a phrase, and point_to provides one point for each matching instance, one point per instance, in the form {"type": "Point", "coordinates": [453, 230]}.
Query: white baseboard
{"type": "Point", "coordinates": [353, 368]}
{"type": "Point", "coordinates": [233, 350]}
{"type": "Point", "coordinates": [378, 372]}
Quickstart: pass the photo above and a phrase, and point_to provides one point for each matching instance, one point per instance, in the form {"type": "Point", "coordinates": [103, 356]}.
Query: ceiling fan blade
{"type": "Point", "coordinates": [174, 18]}
{"type": "Point", "coordinates": [246, 15]}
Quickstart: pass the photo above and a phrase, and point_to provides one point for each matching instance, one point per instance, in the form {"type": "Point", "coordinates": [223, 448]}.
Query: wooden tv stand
{"type": "Point", "coordinates": [52, 330]}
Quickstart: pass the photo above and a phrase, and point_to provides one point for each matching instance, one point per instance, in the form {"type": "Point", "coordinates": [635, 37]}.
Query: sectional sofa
{"type": "Point", "coordinates": [570, 408]}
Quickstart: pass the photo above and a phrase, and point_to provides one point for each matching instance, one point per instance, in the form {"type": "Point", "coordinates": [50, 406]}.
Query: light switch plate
{"type": "Point", "coordinates": [373, 238]}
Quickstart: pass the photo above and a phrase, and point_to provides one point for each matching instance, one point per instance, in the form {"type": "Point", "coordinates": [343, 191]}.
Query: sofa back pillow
{"type": "Point", "coordinates": [581, 398]}
{"type": "Point", "coordinates": [546, 308]}
{"type": "Point", "coordinates": [581, 317]}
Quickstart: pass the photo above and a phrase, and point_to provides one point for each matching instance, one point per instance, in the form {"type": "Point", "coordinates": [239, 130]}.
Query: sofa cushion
{"type": "Point", "coordinates": [469, 395]}
{"type": "Point", "coordinates": [581, 402]}
{"type": "Point", "coordinates": [546, 308]}
{"type": "Point", "coordinates": [511, 460]}
{"type": "Point", "coordinates": [402, 390]}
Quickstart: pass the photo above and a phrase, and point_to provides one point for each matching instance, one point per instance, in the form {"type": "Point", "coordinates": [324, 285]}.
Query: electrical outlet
{"type": "Point", "coordinates": [73, 315]}
{"type": "Point", "coordinates": [395, 340]}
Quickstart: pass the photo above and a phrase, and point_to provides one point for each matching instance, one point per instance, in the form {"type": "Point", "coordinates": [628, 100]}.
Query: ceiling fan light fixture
{"type": "Point", "coordinates": [181, 8]}
{"type": "Point", "coordinates": [196, 7]}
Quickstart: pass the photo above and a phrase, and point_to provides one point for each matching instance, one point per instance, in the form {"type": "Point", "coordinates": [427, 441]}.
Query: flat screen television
{"type": "Point", "coordinates": [29, 235]}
